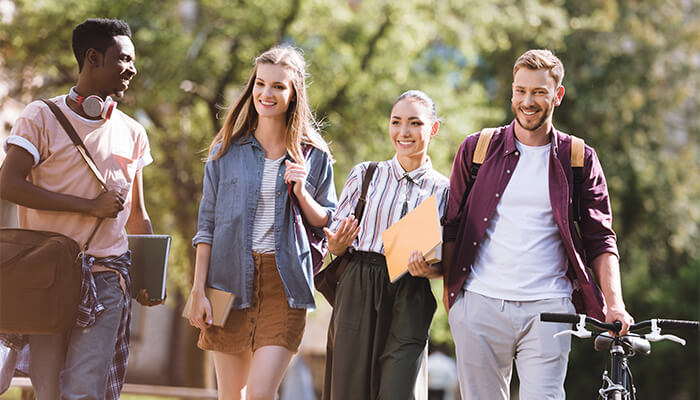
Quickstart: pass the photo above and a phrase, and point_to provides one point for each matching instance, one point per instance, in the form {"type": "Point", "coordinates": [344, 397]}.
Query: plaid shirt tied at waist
{"type": "Point", "coordinates": [88, 310]}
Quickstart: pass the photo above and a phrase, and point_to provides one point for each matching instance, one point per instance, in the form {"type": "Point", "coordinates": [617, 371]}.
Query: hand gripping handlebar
{"type": "Point", "coordinates": [655, 326]}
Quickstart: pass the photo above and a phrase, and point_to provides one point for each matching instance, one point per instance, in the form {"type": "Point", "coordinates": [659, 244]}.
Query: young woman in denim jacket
{"type": "Point", "coordinates": [250, 239]}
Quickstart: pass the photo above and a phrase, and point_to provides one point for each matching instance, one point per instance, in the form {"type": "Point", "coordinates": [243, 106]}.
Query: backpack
{"type": "Point", "coordinates": [577, 155]}
{"type": "Point", "coordinates": [580, 295]}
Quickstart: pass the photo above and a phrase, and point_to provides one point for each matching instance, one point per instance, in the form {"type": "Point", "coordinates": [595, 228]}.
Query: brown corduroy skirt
{"type": "Point", "coordinates": [269, 321]}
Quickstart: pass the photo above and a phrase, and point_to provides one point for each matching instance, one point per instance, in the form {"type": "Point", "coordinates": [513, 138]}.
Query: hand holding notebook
{"type": "Point", "coordinates": [221, 303]}
{"type": "Point", "coordinates": [149, 265]}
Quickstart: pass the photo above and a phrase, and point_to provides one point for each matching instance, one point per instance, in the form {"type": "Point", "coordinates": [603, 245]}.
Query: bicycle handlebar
{"type": "Point", "coordinates": [615, 327]}
{"type": "Point", "coordinates": [669, 324]}
{"type": "Point", "coordinates": [555, 317]}
{"type": "Point", "coordinates": [575, 318]}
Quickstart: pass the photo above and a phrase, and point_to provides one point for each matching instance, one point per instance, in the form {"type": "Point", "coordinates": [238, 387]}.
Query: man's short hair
{"type": "Point", "coordinates": [541, 59]}
{"type": "Point", "coordinates": [96, 34]}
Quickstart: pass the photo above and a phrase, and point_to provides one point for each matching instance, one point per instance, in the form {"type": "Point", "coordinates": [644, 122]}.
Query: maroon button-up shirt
{"type": "Point", "coordinates": [467, 227]}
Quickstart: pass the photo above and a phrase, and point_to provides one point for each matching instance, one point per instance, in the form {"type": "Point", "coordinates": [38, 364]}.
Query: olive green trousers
{"type": "Point", "coordinates": [377, 333]}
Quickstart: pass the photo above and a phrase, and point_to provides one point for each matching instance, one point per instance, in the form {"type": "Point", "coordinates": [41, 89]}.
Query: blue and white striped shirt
{"type": "Point", "coordinates": [390, 190]}
{"type": "Point", "coordinates": [263, 228]}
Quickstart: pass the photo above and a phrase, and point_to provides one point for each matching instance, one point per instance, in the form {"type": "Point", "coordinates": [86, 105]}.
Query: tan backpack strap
{"type": "Point", "coordinates": [577, 153]}
{"type": "Point", "coordinates": [577, 150]}
{"type": "Point", "coordinates": [482, 145]}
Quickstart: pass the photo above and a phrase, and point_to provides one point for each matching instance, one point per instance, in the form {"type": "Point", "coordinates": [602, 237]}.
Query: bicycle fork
{"type": "Point", "coordinates": [615, 386]}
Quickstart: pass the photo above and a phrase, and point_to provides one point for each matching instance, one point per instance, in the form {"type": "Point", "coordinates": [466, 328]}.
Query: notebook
{"type": "Point", "coordinates": [221, 303]}
{"type": "Point", "coordinates": [417, 230]}
{"type": "Point", "coordinates": [149, 264]}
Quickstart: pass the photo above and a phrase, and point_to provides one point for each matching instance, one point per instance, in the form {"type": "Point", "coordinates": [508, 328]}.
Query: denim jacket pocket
{"type": "Point", "coordinates": [230, 198]}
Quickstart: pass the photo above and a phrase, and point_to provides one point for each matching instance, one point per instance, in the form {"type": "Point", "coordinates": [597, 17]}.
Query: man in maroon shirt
{"type": "Point", "coordinates": [513, 251]}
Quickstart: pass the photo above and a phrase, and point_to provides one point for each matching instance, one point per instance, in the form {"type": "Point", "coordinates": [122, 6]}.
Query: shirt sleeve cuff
{"type": "Point", "coordinates": [329, 213]}
{"type": "Point", "coordinates": [145, 160]}
{"type": "Point", "coordinates": [202, 237]}
{"type": "Point", "coordinates": [594, 253]}
{"type": "Point", "coordinates": [23, 143]}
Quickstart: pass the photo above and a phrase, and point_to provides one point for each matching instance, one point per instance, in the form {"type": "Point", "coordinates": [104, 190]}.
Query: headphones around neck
{"type": "Point", "coordinates": [93, 105]}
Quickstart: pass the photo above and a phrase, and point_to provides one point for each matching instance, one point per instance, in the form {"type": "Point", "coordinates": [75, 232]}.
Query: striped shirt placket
{"type": "Point", "coordinates": [409, 187]}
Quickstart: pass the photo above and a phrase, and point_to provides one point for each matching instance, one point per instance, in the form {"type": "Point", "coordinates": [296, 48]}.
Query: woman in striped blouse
{"type": "Point", "coordinates": [248, 238]}
{"type": "Point", "coordinates": [379, 329]}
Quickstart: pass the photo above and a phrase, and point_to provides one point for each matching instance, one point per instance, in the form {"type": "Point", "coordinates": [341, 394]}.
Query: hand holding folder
{"type": "Point", "coordinates": [417, 230]}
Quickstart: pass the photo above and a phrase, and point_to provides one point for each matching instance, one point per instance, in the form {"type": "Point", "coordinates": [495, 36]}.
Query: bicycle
{"type": "Point", "coordinates": [618, 384]}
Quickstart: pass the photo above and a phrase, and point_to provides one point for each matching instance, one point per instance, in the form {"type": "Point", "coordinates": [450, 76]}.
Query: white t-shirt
{"type": "Point", "coordinates": [522, 256]}
{"type": "Point", "coordinates": [263, 227]}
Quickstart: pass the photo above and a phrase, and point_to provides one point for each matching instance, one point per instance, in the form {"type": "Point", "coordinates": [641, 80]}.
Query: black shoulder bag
{"type": "Point", "coordinates": [327, 279]}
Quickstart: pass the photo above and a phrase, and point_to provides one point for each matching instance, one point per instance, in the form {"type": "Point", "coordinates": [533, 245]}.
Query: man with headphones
{"type": "Point", "coordinates": [44, 174]}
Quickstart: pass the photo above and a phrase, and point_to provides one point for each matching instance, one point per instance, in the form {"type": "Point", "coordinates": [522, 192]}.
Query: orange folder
{"type": "Point", "coordinates": [417, 230]}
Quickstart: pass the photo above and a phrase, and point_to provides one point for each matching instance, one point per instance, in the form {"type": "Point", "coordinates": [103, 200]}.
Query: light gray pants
{"type": "Point", "coordinates": [490, 333]}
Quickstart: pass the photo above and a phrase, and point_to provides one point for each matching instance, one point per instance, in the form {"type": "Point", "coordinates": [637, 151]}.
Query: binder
{"type": "Point", "coordinates": [417, 230]}
{"type": "Point", "coordinates": [149, 264]}
{"type": "Point", "coordinates": [221, 303]}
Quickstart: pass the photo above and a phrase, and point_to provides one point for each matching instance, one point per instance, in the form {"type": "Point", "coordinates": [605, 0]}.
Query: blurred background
{"type": "Point", "coordinates": [632, 82]}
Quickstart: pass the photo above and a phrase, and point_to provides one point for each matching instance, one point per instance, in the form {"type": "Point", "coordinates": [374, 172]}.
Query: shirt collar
{"type": "Point", "coordinates": [510, 139]}
{"type": "Point", "coordinates": [251, 140]}
{"type": "Point", "coordinates": [416, 175]}
{"type": "Point", "coordinates": [555, 140]}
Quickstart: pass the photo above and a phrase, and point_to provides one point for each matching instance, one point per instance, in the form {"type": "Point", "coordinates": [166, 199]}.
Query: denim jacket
{"type": "Point", "coordinates": [227, 214]}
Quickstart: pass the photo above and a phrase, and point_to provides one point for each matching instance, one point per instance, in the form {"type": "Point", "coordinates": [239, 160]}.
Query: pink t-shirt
{"type": "Point", "coordinates": [119, 147]}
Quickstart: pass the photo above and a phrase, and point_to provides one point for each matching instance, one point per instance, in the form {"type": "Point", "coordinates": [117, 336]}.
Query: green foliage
{"type": "Point", "coordinates": [631, 83]}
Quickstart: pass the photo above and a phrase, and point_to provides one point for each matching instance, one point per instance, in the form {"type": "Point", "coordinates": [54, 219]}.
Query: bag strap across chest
{"type": "Point", "coordinates": [362, 202]}
{"type": "Point", "coordinates": [84, 153]}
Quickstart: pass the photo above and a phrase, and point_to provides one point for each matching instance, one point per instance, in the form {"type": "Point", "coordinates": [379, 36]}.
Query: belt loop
{"type": "Point", "coordinates": [503, 305]}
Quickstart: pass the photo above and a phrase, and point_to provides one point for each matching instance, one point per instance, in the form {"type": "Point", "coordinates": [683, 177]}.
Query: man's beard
{"type": "Point", "coordinates": [536, 124]}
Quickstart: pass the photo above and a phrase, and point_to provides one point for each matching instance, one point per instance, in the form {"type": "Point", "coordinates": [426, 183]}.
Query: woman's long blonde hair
{"type": "Point", "coordinates": [242, 118]}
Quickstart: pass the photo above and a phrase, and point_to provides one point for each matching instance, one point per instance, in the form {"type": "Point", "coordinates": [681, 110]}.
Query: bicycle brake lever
{"type": "Point", "coordinates": [672, 338]}
{"type": "Point", "coordinates": [580, 329]}
{"type": "Point", "coordinates": [656, 336]}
